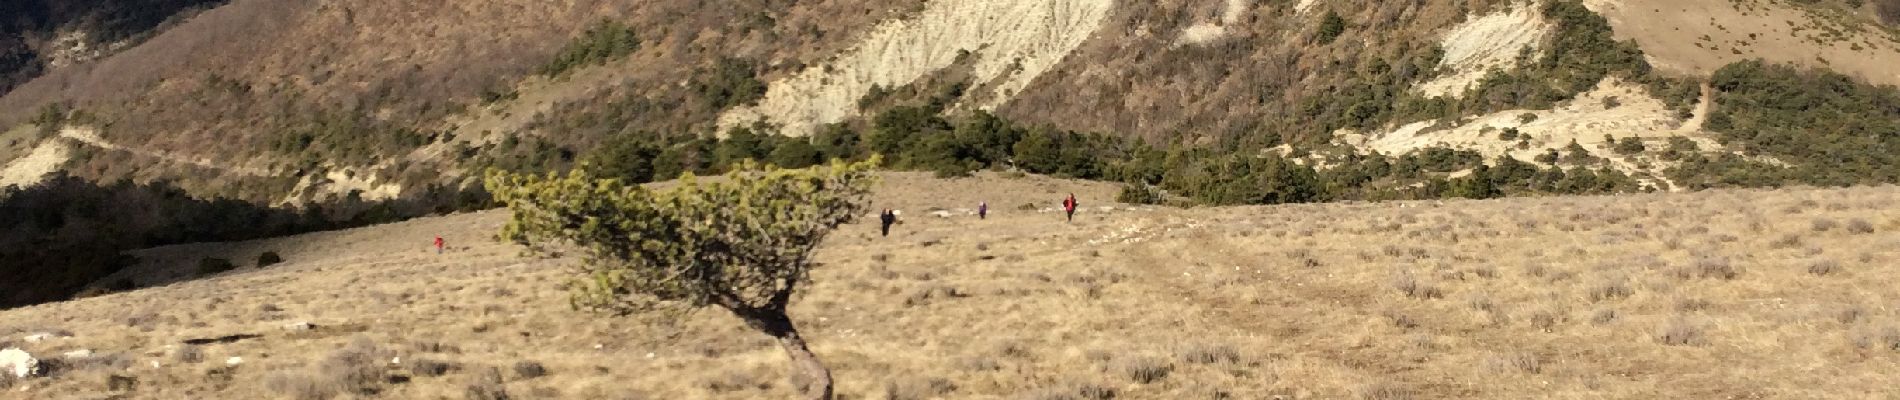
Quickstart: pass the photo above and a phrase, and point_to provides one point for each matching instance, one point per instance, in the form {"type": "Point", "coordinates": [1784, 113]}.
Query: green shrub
{"type": "Point", "coordinates": [1140, 194]}
{"type": "Point", "coordinates": [729, 82]}
{"type": "Point", "coordinates": [1630, 146]}
{"type": "Point", "coordinates": [208, 266]}
{"type": "Point", "coordinates": [605, 41]}
{"type": "Point", "coordinates": [1832, 129]}
{"type": "Point", "coordinates": [268, 258]}
{"type": "Point", "coordinates": [1330, 28]}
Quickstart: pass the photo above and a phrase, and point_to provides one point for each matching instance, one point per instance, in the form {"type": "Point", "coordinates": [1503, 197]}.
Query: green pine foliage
{"type": "Point", "coordinates": [729, 82]}
{"type": "Point", "coordinates": [742, 244]}
{"type": "Point", "coordinates": [1828, 128]}
{"type": "Point", "coordinates": [607, 40]}
{"type": "Point", "coordinates": [1330, 27]}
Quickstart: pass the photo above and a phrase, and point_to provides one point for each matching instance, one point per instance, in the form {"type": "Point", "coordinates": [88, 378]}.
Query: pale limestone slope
{"type": "Point", "coordinates": [1493, 41]}
{"type": "Point", "coordinates": [1012, 42]}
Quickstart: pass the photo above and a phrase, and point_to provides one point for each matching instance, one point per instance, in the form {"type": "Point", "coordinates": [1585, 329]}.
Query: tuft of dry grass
{"type": "Point", "coordinates": [1209, 354]}
{"type": "Point", "coordinates": [1610, 289]}
{"type": "Point", "coordinates": [298, 385]}
{"type": "Point", "coordinates": [1785, 241]}
{"type": "Point", "coordinates": [1823, 224]}
{"type": "Point", "coordinates": [527, 369]}
{"type": "Point", "coordinates": [1603, 316]}
{"type": "Point", "coordinates": [1823, 266]}
{"type": "Point", "coordinates": [1078, 391]}
{"type": "Point", "coordinates": [1860, 226]}
{"type": "Point", "coordinates": [1516, 362]}
{"type": "Point", "coordinates": [1680, 332]}
{"type": "Point", "coordinates": [1709, 268]}
{"type": "Point", "coordinates": [1143, 369]}
{"type": "Point", "coordinates": [914, 388]}
{"type": "Point", "coordinates": [1409, 285]}
{"type": "Point", "coordinates": [188, 354]}
{"type": "Point", "coordinates": [1384, 391]}
{"type": "Point", "coordinates": [485, 385]}
{"type": "Point", "coordinates": [424, 367]}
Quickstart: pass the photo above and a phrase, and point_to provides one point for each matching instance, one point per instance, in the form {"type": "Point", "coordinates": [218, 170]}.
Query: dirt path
{"type": "Point", "coordinates": [90, 137]}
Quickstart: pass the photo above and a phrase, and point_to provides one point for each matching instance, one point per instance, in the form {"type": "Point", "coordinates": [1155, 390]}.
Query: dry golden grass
{"type": "Point", "coordinates": [1653, 296]}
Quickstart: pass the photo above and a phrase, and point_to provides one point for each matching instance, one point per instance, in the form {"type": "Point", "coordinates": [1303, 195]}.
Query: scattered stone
{"type": "Point", "coordinates": [78, 354]}
{"type": "Point", "coordinates": [234, 361]}
{"type": "Point", "coordinates": [18, 364]}
{"type": "Point", "coordinates": [300, 326]}
{"type": "Point", "coordinates": [941, 214]}
{"type": "Point", "coordinates": [44, 336]}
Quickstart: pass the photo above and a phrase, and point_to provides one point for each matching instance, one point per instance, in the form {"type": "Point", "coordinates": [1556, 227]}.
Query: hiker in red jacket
{"type": "Point", "coordinates": [1068, 206]}
{"type": "Point", "coordinates": [438, 245]}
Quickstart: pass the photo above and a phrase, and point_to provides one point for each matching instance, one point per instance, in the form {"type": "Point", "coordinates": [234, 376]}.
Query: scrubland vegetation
{"type": "Point", "coordinates": [1823, 128]}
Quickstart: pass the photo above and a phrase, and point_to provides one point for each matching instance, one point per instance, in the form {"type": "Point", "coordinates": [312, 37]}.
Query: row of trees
{"type": "Point", "coordinates": [1828, 128]}
{"type": "Point", "coordinates": [64, 233]}
{"type": "Point", "coordinates": [916, 138]}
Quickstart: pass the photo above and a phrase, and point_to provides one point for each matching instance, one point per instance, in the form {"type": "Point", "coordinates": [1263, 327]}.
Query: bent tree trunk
{"type": "Point", "coordinates": [811, 377]}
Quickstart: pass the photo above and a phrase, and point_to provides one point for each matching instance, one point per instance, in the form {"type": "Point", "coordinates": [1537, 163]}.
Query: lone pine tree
{"type": "Point", "coordinates": [743, 243]}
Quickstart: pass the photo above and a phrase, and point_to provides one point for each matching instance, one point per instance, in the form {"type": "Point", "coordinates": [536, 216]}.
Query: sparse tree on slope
{"type": "Point", "coordinates": [743, 244]}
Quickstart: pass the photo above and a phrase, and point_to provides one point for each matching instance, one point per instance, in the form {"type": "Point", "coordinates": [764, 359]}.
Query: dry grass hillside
{"type": "Point", "coordinates": [1718, 294]}
{"type": "Point", "coordinates": [1699, 36]}
{"type": "Point", "coordinates": [269, 84]}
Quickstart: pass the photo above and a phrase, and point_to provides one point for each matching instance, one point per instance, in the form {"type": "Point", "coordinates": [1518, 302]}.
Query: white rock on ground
{"type": "Point", "coordinates": [17, 363]}
{"type": "Point", "coordinates": [77, 354]}
{"type": "Point", "coordinates": [43, 336]}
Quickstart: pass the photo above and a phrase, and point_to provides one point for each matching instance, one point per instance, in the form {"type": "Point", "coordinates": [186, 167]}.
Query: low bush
{"type": "Point", "coordinates": [1144, 370]}
{"type": "Point", "coordinates": [209, 266]}
{"type": "Point", "coordinates": [527, 369]}
{"type": "Point", "coordinates": [268, 258]}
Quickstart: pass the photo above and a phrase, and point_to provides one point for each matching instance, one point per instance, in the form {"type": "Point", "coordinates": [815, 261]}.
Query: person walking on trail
{"type": "Point", "coordinates": [1068, 206]}
{"type": "Point", "coordinates": [438, 245]}
{"type": "Point", "coordinates": [888, 217]}
{"type": "Point", "coordinates": [983, 210]}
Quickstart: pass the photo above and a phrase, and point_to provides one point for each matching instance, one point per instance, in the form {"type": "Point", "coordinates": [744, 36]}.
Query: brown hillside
{"type": "Point", "coordinates": [233, 81]}
{"type": "Point", "coordinates": [1700, 36]}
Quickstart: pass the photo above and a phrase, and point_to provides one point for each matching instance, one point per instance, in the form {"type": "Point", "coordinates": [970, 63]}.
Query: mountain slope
{"type": "Point", "coordinates": [396, 98]}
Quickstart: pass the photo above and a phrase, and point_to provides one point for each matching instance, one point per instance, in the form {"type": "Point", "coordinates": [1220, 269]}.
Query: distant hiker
{"type": "Point", "coordinates": [983, 210]}
{"type": "Point", "coordinates": [887, 218]}
{"type": "Point", "coordinates": [1068, 206]}
{"type": "Point", "coordinates": [438, 245]}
